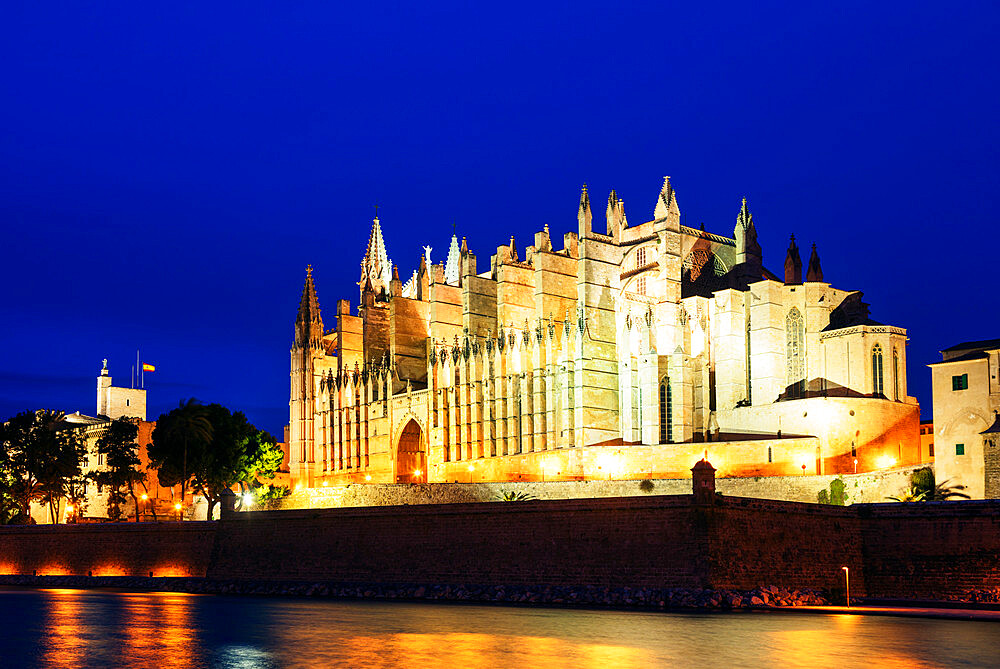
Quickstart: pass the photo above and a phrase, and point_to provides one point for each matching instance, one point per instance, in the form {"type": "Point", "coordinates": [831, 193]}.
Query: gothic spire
{"type": "Point", "coordinates": [814, 272]}
{"type": "Point", "coordinates": [747, 248]}
{"type": "Point", "coordinates": [666, 202]}
{"type": "Point", "coordinates": [615, 214]}
{"type": "Point", "coordinates": [452, 266]}
{"type": "Point", "coordinates": [309, 321]}
{"type": "Point", "coordinates": [793, 263]}
{"type": "Point", "coordinates": [583, 214]}
{"type": "Point", "coordinates": [375, 265]}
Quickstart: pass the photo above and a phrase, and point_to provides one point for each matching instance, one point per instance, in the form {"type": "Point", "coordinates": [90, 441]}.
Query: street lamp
{"type": "Point", "coordinates": [472, 468]}
{"type": "Point", "coordinates": [847, 582]}
{"type": "Point", "coordinates": [855, 465]}
{"type": "Point", "coordinates": [177, 508]}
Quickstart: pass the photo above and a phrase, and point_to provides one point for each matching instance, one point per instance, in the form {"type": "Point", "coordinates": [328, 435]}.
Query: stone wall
{"type": "Point", "coordinates": [111, 549]}
{"type": "Point", "coordinates": [869, 487]}
{"type": "Point", "coordinates": [934, 550]}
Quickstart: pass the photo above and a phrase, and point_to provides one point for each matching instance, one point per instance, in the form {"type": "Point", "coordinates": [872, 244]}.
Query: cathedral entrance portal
{"type": "Point", "coordinates": [411, 461]}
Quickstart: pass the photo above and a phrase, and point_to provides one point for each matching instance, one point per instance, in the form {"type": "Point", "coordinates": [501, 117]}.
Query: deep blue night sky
{"type": "Point", "coordinates": [168, 170]}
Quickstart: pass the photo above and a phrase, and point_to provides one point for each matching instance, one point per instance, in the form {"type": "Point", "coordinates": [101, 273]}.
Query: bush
{"type": "Point", "coordinates": [514, 496]}
{"type": "Point", "coordinates": [646, 486]}
{"type": "Point", "coordinates": [836, 495]}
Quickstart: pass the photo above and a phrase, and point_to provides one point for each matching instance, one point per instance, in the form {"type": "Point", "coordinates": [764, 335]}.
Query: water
{"type": "Point", "coordinates": [76, 628]}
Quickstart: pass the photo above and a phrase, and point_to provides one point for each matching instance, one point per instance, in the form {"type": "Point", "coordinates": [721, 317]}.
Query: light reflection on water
{"type": "Point", "coordinates": [75, 628]}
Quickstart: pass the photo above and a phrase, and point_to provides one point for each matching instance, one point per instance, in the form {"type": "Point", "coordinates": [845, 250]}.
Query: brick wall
{"type": "Point", "coordinates": [937, 550]}
{"type": "Point", "coordinates": [634, 541]}
{"type": "Point", "coordinates": [111, 549]}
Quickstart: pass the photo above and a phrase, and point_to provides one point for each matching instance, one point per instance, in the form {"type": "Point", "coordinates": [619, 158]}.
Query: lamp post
{"type": "Point", "coordinates": [803, 469]}
{"type": "Point", "coordinates": [177, 508]}
{"type": "Point", "coordinates": [145, 498]}
{"type": "Point", "coordinates": [472, 468]}
{"type": "Point", "coordinates": [855, 465]}
{"type": "Point", "coordinates": [847, 583]}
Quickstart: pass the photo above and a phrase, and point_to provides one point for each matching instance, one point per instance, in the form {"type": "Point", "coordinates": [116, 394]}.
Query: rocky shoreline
{"type": "Point", "coordinates": [768, 597]}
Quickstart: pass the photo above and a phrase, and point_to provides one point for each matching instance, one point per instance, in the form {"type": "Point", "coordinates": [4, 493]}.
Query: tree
{"type": "Point", "coordinates": [923, 481]}
{"type": "Point", "coordinates": [911, 494]}
{"type": "Point", "coordinates": [44, 459]}
{"type": "Point", "coordinates": [8, 506]}
{"type": "Point", "coordinates": [185, 428]}
{"type": "Point", "coordinates": [121, 457]}
{"type": "Point", "coordinates": [235, 452]}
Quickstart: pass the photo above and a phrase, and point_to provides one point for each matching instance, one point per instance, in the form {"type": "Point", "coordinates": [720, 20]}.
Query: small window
{"type": "Point", "coordinates": [640, 285]}
{"type": "Point", "coordinates": [959, 449]}
{"type": "Point", "coordinates": [127, 402]}
{"type": "Point", "coordinates": [640, 257]}
{"type": "Point", "coordinates": [960, 382]}
{"type": "Point", "coordinates": [854, 450]}
{"type": "Point", "coordinates": [930, 450]}
{"type": "Point", "coordinates": [769, 454]}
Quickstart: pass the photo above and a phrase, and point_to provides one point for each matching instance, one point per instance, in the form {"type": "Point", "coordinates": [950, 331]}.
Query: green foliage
{"type": "Point", "coordinates": [911, 494]}
{"type": "Point", "coordinates": [42, 461]}
{"type": "Point", "coordinates": [836, 495]}
{"type": "Point", "coordinates": [212, 448]}
{"type": "Point", "coordinates": [514, 496]}
{"type": "Point", "coordinates": [269, 491]}
{"type": "Point", "coordinates": [924, 488]}
{"type": "Point", "coordinates": [646, 486]}
{"type": "Point", "coordinates": [121, 456]}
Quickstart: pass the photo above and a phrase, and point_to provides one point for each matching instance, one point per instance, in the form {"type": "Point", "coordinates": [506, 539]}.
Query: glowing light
{"type": "Point", "coordinates": [144, 497]}
{"type": "Point", "coordinates": [69, 508]}
{"type": "Point", "coordinates": [368, 477]}
{"type": "Point", "coordinates": [298, 486]}
{"type": "Point", "coordinates": [177, 506]}
{"type": "Point", "coordinates": [248, 498]}
{"type": "Point", "coordinates": [885, 461]}
{"type": "Point", "coordinates": [325, 484]}
{"type": "Point", "coordinates": [417, 472]}
{"type": "Point", "coordinates": [472, 468]}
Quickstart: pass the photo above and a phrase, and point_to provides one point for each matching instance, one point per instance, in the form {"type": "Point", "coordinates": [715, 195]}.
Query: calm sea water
{"type": "Point", "coordinates": [75, 628]}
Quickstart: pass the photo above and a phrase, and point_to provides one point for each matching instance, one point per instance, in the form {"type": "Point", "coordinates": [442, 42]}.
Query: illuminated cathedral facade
{"type": "Point", "coordinates": [623, 352]}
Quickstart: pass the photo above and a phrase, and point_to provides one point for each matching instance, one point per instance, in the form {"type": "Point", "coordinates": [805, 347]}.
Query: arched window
{"type": "Point", "coordinates": [640, 257]}
{"type": "Point", "coordinates": [878, 387]}
{"type": "Point", "coordinates": [895, 374]}
{"type": "Point", "coordinates": [795, 364]}
{"type": "Point", "coordinates": [666, 412]}
{"type": "Point", "coordinates": [640, 285]}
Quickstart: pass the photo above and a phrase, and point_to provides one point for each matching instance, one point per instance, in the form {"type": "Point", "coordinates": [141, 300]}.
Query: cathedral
{"type": "Point", "coordinates": [627, 352]}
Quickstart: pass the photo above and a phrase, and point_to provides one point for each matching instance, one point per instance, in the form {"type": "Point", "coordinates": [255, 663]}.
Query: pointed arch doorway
{"type": "Point", "coordinates": [411, 458]}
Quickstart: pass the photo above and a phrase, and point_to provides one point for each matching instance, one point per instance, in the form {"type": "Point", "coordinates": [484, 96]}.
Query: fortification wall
{"type": "Point", "coordinates": [869, 487]}
{"type": "Point", "coordinates": [941, 550]}
{"type": "Point", "coordinates": [111, 549]}
{"type": "Point", "coordinates": [935, 550]}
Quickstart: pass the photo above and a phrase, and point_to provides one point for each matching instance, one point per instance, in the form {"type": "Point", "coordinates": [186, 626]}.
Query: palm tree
{"type": "Point", "coordinates": [190, 423]}
{"type": "Point", "coordinates": [911, 494]}
{"type": "Point", "coordinates": [923, 480]}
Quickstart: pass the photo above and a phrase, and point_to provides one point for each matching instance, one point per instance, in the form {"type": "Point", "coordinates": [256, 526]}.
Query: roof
{"type": "Point", "coordinates": [965, 357]}
{"type": "Point", "coordinates": [994, 428]}
{"type": "Point", "coordinates": [981, 345]}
